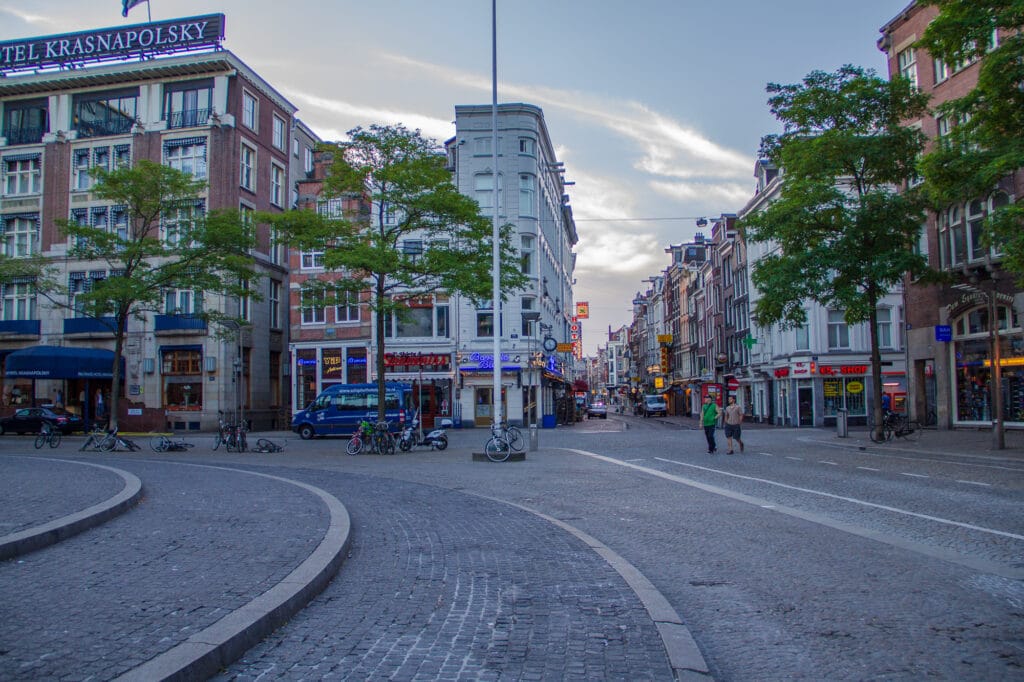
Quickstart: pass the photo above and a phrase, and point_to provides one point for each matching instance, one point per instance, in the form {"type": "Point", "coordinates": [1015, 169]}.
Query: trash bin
{"type": "Point", "coordinates": [533, 438]}
{"type": "Point", "coordinates": [842, 427]}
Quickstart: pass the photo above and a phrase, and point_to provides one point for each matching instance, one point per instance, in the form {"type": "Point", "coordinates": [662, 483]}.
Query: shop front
{"type": "Point", "coordinates": [431, 377]}
{"type": "Point", "coordinates": [318, 367]}
{"type": "Point", "coordinates": [973, 378]}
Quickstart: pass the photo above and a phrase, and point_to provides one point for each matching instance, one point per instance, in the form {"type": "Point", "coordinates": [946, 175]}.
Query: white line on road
{"type": "Point", "coordinates": [869, 468]}
{"type": "Point", "coordinates": [938, 552]}
{"type": "Point", "coordinates": [905, 473]}
{"type": "Point", "coordinates": [799, 459]}
{"type": "Point", "coordinates": [987, 485]}
{"type": "Point", "coordinates": [759, 502]}
{"type": "Point", "coordinates": [825, 461]}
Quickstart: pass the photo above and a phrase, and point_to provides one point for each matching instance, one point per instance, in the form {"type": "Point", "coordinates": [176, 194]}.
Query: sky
{"type": "Point", "coordinates": [656, 107]}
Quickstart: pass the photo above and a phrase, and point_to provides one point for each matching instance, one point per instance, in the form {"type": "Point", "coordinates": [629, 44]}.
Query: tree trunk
{"type": "Point", "coordinates": [876, 363]}
{"type": "Point", "coordinates": [115, 388]}
{"type": "Point", "coordinates": [380, 349]}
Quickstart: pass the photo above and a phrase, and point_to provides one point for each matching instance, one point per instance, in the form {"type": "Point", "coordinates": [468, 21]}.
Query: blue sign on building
{"type": "Point", "coordinates": [943, 332]}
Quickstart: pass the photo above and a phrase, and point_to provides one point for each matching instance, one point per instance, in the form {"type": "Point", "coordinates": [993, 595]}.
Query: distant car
{"type": "Point", "coordinates": [654, 406]}
{"type": "Point", "coordinates": [31, 419]}
{"type": "Point", "coordinates": [597, 410]}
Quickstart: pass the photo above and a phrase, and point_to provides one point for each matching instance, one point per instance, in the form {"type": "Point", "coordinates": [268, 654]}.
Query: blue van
{"type": "Point", "coordinates": [338, 410]}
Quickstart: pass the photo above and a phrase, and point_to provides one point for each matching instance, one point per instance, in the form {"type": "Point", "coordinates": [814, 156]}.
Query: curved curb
{"type": "Point", "coordinates": [683, 653]}
{"type": "Point", "coordinates": [53, 532]}
{"type": "Point", "coordinates": [205, 653]}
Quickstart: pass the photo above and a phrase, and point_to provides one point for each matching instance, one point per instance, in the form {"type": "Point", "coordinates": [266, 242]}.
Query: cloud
{"type": "Point", "coordinates": [707, 192]}
{"type": "Point", "coordinates": [666, 147]}
{"type": "Point", "coordinates": [33, 19]}
{"type": "Point", "coordinates": [436, 128]}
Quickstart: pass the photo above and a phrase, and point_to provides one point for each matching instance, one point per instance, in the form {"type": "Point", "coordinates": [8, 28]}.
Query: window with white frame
{"type": "Point", "coordinates": [484, 191]}
{"type": "Point", "coordinates": [481, 146]}
{"type": "Point", "coordinates": [247, 168]}
{"type": "Point", "coordinates": [119, 222]}
{"type": "Point", "coordinates": [313, 308]}
{"type": "Point", "coordinates": [278, 133]}
{"type": "Point", "coordinates": [527, 195]}
{"type": "Point", "coordinates": [187, 155]}
{"type": "Point", "coordinates": [81, 180]}
{"type": "Point", "coordinates": [838, 330]}
{"type": "Point", "coordinates": [178, 221]}
{"type": "Point", "coordinates": [526, 254]}
{"type": "Point", "coordinates": [101, 158]}
{"type": "Point", "coordinates": [183, 302]}
{"type": "Point", "coordinates": [907, 62]}
{"type": "Point", "coordinates": [22, 175]}
{"type": "Point", "coordinates": [331, 208]}
{"type": "Point", "coordinates": [347, 309]}
{"type": "Point", "coordinates": [122, 156]}
{"type": "Point", "coordinates": [883, 318]}
{"type": "Point", "coordinates": [276, 247]}
{"type": "Point", "coordinates": [941, 70]}
{"type": "Point", "coordinates": [245, 302]}
{"type": "Point", "coordinates": [424, 318]}
{"type": "Point", "coordinates": [250, 110]}
{"type": "Point", "coordinates": [20, 235]}
{"type": "Point", "coordinates": [276, 185]}
{"type": "Point", "coordinates": [19, 301]}
{"type": "Point", "coordinates": [307, 160]}
{"type": "Point", "coordinates": [312, 260]}
{"type": "Point", "coordinates": [274, 299]}
{"type": "Point", "coordinates": [528, 146]}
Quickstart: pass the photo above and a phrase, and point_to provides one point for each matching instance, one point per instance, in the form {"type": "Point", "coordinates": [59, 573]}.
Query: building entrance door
{"type": "Point", "coordinates": [805, 399]}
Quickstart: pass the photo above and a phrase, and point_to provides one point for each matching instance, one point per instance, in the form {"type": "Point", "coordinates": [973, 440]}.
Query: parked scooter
{"type": "Point", "coordinates": [435, 439]}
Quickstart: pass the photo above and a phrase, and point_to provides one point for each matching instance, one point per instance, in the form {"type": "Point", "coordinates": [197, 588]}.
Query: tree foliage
{"type": "Point", "coordinates": [422, 236]}
{"type": "Point", "coordinates": [988, 143]}
{"type": "Point", "coordinates": [844, 234]}
{"type": "Point", "coordinates": [167, 243]}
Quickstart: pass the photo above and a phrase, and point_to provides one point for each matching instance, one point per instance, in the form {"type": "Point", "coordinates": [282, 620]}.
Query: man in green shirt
{"type": "Point", "coordinates": [709, 418]}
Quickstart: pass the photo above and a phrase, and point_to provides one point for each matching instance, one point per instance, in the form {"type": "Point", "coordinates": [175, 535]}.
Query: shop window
{"type": "Point", "coordinates": [183, 381]}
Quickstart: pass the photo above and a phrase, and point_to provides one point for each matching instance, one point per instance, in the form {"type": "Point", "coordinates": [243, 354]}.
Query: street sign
{"type": "Point", "coordinates": [943, 332]}
{"type": "Point", "coordinates": [732, 383]}
{"type": "Point", "coordinates": [564, 348]}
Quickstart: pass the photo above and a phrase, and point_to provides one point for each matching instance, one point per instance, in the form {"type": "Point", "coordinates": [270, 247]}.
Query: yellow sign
{"type": "Point", "coordinates": [659, 382]}
{"type": "Point", "coordinates": [564, 348]}
{"type": "Point", "coordinates": [854, 387]}
{"type": "Point", "coordinates": [583, 310]}
{"type": "Point", "coordinates": [664, 338]}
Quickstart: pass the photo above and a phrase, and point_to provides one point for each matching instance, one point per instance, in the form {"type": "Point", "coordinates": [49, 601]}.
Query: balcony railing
{"type": "Point", "coordinates": [90, 325]}
{"type": "Point", "coordinates": [29, 327]}
{"type": "Point", "coordinates": [26, 135]}
{"type": "Point", "coordinates": [189, 118]}
{"type": "Point", "coordinates": [166, 323]}
{"type": "Point", "coordinates": [119, 126]}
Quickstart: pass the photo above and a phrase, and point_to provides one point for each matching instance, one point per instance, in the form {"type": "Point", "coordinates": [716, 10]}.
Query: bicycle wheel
{"type": "Point", "coordinates": [159, 443]}
{"type": "Point", "coordinates": [355, 445]}
{"type": "Point", "coordinates": [910, 430]}
{"type": "Point", "coordinates": [40, 440]}
{"type": "Point", "coordinates": [515, 438]}
{"type": "Point", "coordinates": [389, 443]}
{"type": "Point", "coordinates": [243, 444]}
{"type": "Point", "coordinates": [217, 440]}
{"type": "Point", "coordinates": [497, 449]}
{"type": "Point", "coordinates": [54, 439]}
{"type": "Point", "coordinates": [876, 435]}
{"type": "Point", "coordinates": [108, 443]}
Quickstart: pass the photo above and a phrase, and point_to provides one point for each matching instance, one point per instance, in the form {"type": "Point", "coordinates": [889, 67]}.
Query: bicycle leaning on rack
{"type": "Point", "coordinates": [48, 434]}
{"type": "Point", "coordinates": [895, 425]}
{"type": "Point", "coordinates": [505, 439]}
{"type": "Point", "coordinates": [232, 436]}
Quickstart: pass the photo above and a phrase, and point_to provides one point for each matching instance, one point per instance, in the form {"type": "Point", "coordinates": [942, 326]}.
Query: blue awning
{"type": "Point", "coordinates": [58, 362]}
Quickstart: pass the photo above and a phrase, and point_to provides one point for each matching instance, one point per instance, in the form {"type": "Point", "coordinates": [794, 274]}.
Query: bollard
{"type": "Point", "coordinates": [842, 427]}
{"type": "Point", "coordinates": [533, 438]}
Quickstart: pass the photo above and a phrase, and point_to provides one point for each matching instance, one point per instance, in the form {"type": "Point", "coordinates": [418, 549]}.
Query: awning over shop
{"type": "Point", "coordinates": [58, 362]}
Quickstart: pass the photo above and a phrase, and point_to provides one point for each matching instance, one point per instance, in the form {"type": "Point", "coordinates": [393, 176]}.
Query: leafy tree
{"type": "Point", "coordinates": [844, 232]}
{"type": "Point", "coordinates": [988, 144]}
{"type": "Point", "coordinates": [422, 237]}
{"type": "Point", "coordinates": [166, 244]}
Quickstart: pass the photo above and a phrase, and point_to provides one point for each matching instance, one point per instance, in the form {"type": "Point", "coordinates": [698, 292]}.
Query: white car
{"type": "Point", "coordinates": [655, 406]}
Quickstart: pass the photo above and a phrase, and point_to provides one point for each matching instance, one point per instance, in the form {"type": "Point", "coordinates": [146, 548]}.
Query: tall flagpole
{"type": "Point", "coordinates": [495, 232]}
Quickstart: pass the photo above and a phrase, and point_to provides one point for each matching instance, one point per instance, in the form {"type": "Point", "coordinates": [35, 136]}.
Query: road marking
{"type": "Point", "coordinates": [766, 454]}
{"type": "Point", "coordinates": [825, 461]}
{"type": "Point", "coordinates": [928, 550]}
{"type": "Point", "coordinates": [987, 485]}
{"type": "Point", "coordinates": [869, 468]}
{"type": "Point", "coordinates": [904, 473]}
{"type": "Point", "coordinates": [799, 459]}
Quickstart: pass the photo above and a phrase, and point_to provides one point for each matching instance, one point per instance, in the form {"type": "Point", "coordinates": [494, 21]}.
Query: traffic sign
{"type": "Point", "coordinates": [732, 383]}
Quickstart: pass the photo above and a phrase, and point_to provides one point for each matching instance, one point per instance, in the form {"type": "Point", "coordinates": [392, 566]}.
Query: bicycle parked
{"type": "Point", "coordinates": [504, 440]}
{"type": "Point", "coordinates": [48, 434]}
{"type": "Point", "coordinates": [162, 443]}
{"type": "Point", "coordinates": [896, 425]}
{"type": "Point", "coordinates": [360, 439]}
{"type": "Point", "coordinates": [232, 436]}
{"type": "Point", "coordinates": [266, 445]}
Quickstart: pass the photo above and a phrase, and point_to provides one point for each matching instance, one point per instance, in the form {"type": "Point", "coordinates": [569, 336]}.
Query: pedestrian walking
{"type": "Point", "coordinates": [709, 418]}
{"type": "Point", "coordinates": [733, 419]}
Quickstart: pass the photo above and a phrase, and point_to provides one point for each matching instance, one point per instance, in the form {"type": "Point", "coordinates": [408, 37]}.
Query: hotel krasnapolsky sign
{"type": "Point", "coordinates": [138, 40]}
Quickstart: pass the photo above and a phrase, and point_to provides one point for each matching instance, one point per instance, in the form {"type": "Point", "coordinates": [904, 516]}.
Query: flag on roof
{"type": "Point", "coordinates": [128, 4]}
